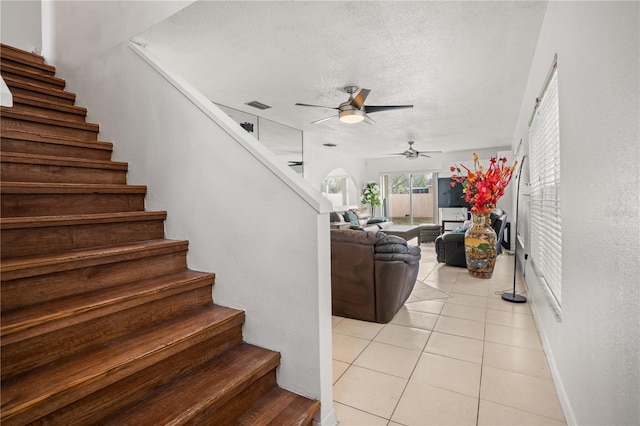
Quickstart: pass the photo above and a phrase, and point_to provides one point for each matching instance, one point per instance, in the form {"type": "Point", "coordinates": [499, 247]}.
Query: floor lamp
{"type": "Point", "coordinates": [513, 297]}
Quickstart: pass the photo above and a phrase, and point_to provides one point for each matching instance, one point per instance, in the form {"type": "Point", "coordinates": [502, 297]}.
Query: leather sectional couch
{"type": "Point", "coordinates": [372, 274]}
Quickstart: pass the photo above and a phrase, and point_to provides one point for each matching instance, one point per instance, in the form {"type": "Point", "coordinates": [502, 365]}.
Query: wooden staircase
{"type": "Point", "coordinates": [102, 322]}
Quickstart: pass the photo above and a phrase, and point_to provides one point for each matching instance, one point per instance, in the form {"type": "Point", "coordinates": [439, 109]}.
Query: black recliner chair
{"type": "Point", "coordinates": [450, 245]}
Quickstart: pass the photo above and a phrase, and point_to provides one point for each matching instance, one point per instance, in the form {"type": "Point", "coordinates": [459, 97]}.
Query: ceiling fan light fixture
{"type": "Point", "coordinates": [352, 116]}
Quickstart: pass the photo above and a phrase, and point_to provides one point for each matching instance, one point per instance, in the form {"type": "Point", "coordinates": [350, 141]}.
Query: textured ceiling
{"type": "Point", "coordinates": [464, 66]}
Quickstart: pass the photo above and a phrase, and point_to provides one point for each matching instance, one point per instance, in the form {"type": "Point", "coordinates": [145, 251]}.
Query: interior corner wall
{"type": "Point", "coordinates": [21, 24]}
{"type": "Point", "coordinates": [593, 350]}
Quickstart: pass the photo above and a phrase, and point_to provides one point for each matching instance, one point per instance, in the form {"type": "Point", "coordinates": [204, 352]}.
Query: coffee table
{"type": "Point", "coordinates": [408, 232]}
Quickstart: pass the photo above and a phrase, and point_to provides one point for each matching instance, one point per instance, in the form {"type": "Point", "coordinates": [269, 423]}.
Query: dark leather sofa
{"type": "Point", "coordinates": [450, 245]}
{"type": "Point", "coordinates": [372, 274]}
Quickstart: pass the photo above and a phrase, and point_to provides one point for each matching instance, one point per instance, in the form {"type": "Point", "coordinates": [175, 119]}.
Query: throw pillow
{"type": "Point", "coordinates": [351, 217]}
{"type": "Point", "coordinates": [461, 229]}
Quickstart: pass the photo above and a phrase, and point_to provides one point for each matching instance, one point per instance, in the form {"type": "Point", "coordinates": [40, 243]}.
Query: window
{"type": "Point", "coordinates": [409, 198]}
{"type": "Point", "coordinates": [546, 229]}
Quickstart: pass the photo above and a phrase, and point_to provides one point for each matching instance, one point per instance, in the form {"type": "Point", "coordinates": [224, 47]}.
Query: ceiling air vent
{"type": "Point", "coordinates": [258, 105]}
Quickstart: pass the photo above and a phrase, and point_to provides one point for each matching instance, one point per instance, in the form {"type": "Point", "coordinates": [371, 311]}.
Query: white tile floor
{"type": "Point", "coordinates": [455, 354]}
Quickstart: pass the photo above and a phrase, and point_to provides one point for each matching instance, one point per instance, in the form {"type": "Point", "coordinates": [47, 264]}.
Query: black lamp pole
{"type": "Point", "coordinates": [513, 297]}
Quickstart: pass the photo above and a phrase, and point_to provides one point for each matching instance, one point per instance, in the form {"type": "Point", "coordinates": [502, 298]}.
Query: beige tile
{"type": "Point", "coordinates": [513, 336]}
{"type": "Point", "coordinates": [422, 404]}
{"type": "Point", "coordinates": [430, 294]}
{"type": "Point", "coordinates": [440, 285]}
{"type": "Point", "coordinates": [388, 359]}
{"type": "Point", "coordinates": [448, 373]}
{"type": "Point", "coordinates": [355, 328]}
{"type": "Point", "coordinates": [521, 391]}
{"type": "Point", "coordinates": [464, 279]}
{"type": "Point", "coordinates": [336, 320]}
{"type": "Point", "coordinates": [510, 319]}
{"type": "Point", "coordinates": [457, 347]}
{"type": "Point", "coordinates": [405, 337]}
{"type": "Point", "coordinates": [492, 414]}
{"type": "Point", "coordinates": [468, 300]}
{"type": "Point", "coordinates": [415, 319]}
{"type": "Point", "coordinates": [339, 368]}
{"type": "Point", "coordinates": [412, 299]}
{"type": "Point", "coordinates": [465, 312]}
{"type": "Point", "coordinates": [495, 302]}
{"type": "Point", "coordinates": [520, 360]}
{"type": "Point", "coordinates": [460, 327]}
{"type": "Point", "coordinates": [443, 273]}
{"type": "Point", "coordinates": [347, 348]}
{"type": "Point", "coordinates": [370, 391]}
{"type": "Point", "coordinates": [350, 416]}
{"type": "Point", "coordinates": [429, 306]}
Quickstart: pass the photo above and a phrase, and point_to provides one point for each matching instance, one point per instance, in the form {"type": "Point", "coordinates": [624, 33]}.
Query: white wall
{"type": "Point", "coordinates": [20, 24]}
{"type": "Point", "coordinates": [97, 27]}
{"type": "Point", "coordinates": [594, 349]}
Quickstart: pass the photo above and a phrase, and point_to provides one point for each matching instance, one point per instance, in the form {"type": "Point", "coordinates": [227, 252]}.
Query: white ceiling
{"type": "Point", "coordinates": [463, 65]}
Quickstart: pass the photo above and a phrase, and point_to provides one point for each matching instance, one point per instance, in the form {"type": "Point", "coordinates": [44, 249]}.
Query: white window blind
{"type": "Point", "coordinates": [546, 229]}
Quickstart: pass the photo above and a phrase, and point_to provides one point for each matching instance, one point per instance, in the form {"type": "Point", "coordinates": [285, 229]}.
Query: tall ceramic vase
{"type": "Point", "coordinates": [480, 247]}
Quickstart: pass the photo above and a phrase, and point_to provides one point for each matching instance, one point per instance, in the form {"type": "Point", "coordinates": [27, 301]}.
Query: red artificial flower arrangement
{"type": "Point", "coordinates": [483, 188]}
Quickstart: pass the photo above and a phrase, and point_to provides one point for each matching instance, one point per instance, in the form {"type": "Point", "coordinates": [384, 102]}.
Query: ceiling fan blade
{"type": "Point", "coordinates": [323, 119]}
{"type": "Point", "coordinates": [368, 120]}
{"type": "Point", "coordinates": [397, 153]}
{"type": "Point", "coordinates": [316, 106]}
{"type": "Point", "coordinates": [372, 108]}
{"type": "Point", "coordinates": [424, 155]}
{"type": "Point", "coordinates": [358, 101]}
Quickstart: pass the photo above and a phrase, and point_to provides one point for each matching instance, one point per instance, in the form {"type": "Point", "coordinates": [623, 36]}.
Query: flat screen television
{"type": "Point", "coordinates": [450, 197]}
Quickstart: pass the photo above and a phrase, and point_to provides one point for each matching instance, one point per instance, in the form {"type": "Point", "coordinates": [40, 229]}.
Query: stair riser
{"type": "Point", "coordinates": [24, 172]}
{"type": "Point", "coordinates": [44, 349]}
{"type": "Point", "coordinates": [43, 288]}
{"type": "Point", "coordinates": [33, 91]}
{"type": "Point", "coordinates": [40, 80]}
{"type": "Point", "coordinates": [13, 205]}
{"type": "Point", "coordinates": [94, 407]}
{"type": "Point", "coordinates": [49, 112]}
{"type": "Point", "coordinates": [48, 129]}
{"type": "Point", "coordinates": [57, 150]}
{"type": "Point", "coordinates": [32, 241]}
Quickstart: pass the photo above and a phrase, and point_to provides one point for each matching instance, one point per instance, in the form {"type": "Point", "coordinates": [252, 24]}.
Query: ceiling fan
{"type": "Point", "coordinates": [354, 110]}
{"type": "Point", "coordinates": [411, 153]}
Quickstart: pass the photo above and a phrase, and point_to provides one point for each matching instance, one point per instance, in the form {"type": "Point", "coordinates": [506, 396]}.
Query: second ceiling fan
{"type": "Point", "coordinates": [354, 110]}
{"type": "Point", "coordinates": [411, 153]}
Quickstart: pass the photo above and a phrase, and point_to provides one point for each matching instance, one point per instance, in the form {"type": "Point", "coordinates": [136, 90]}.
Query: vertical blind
{"type": "Point", "coordinates": [544, 149]}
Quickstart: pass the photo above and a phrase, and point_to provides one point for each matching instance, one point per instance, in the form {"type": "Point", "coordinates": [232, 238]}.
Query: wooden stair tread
{"type": "Point", "coordinates": [69, 188]}
{"type": "Point", "coordinates": [34, 87]}
{"type": "Point", "coordinates": [67, 380]}
{"type": "Point", "coordinates": [53, 315]}
{"type": "Point", "coordinates": [43, 119]}
{"type": "Point", "coordinates": [49, 160]}
{"type": "Point", "coordinates": [44, 103]}
{"type": "Point", "coordinates": [8, 68]}
{"type": "Point", "coordinates": [52, 139]}
{"type": "Point", "coordinates": [207, 386]}
{"type": "Point", "coordinates": [26, 266]}
{"type": "Point", "coordinates": [80, 219]}
{"type": "Point", "coordinates": [24, 57]}
{"type": "Point", "coordinates": [280, 407]}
